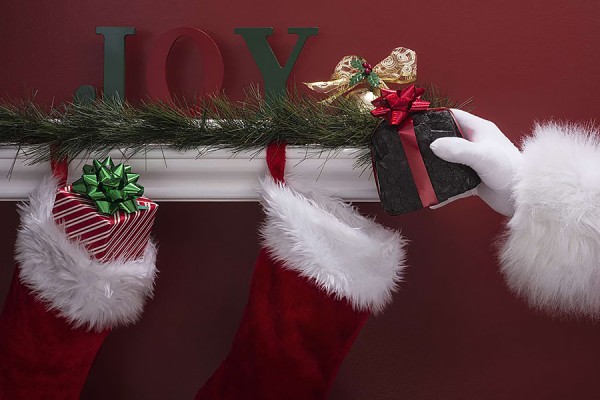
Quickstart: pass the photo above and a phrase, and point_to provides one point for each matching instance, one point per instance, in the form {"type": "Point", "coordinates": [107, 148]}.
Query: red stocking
{"type": "Point", "coordinates": [61, 305]}
{"type": "Point", "coordinates": [322, 270]}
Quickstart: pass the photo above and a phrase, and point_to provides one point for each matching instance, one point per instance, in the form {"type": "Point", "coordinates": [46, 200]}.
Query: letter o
{"type": "Point", "coordinates": [212, 62]}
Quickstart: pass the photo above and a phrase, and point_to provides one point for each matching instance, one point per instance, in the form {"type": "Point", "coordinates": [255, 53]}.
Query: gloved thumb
{"type": "Point", "coordinates": [491, 164]}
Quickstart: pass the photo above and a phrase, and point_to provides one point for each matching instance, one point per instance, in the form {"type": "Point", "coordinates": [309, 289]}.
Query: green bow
{"type": "Point", "coordinates": [111, 188]}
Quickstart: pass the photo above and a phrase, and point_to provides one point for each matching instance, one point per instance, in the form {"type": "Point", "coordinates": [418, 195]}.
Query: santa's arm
{"type": "Point", "coordinates": [550, 190]}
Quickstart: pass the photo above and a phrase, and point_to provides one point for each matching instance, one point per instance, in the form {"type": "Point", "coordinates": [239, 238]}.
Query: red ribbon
{"type": "Point", "coordinates": [60, 168]}
{"type": "Point", "coordinates": [395, 107]}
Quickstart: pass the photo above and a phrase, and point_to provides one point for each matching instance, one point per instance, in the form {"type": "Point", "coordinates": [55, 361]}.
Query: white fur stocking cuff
{"type": "Point", "coordinates": [330, 243]}
{"type": "Point", "coordinates": [68, 280]}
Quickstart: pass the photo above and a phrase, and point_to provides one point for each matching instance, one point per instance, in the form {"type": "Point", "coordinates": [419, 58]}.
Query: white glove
{"type": "Point", "coordinates": [551, 191]}
{"type": "Point", "coordinates": [491, 154]}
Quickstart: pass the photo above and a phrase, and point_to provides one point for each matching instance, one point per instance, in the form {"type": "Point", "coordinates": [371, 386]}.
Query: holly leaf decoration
{"type": "Point", "coordinates": [356, 63]}
{"type": "Point", "coordinates": [373, 80]}
{"type": "Point", "coordinates": [356, 78]}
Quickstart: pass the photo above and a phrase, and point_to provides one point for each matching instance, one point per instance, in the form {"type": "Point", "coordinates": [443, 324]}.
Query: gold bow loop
{"type": "Point", "coordinates": [398, 67]}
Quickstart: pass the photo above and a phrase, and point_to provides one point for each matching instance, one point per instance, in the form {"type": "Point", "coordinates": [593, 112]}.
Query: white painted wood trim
{"type": "Point", "coordinates": [216, 176]}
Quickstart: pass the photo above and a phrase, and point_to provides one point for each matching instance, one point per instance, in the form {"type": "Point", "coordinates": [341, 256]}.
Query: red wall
{"type": "Point", "coordinates": [453, 331]}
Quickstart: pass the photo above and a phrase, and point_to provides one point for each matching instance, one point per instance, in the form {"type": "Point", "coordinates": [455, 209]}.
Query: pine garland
{"type": "Point", "coordinates": [215, 123]}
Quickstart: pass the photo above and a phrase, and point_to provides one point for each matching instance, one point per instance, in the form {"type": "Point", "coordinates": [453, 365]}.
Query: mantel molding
{"type": "Point", "coordinates": [221, 175]}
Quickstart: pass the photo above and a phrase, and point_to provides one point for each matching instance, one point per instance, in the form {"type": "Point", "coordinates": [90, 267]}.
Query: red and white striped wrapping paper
{"type": "Point", "coordinates": [106, 237]}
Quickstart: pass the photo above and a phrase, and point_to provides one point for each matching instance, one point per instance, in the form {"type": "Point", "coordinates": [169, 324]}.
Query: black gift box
{"type": "Point", "coordinates": [397, 189]}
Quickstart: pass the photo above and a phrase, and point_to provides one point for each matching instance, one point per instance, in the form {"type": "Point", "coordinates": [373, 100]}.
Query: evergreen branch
{"type": "Point", "coordinates": [215, 123]}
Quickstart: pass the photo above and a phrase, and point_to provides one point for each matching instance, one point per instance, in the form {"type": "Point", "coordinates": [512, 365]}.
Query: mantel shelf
{"type": "Point", "coordinates": [168, 175]}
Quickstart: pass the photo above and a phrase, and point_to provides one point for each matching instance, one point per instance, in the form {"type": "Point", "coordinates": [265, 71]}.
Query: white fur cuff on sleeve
{"type": "Point", "coordinates": [329, 242]}
{"type": "Point", "coordinates": [551, 254]}
{"type": "Point", "coordinates": [67, 279]}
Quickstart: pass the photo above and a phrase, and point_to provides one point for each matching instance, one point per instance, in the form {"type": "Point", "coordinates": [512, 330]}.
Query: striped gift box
{"type": "Point", "coordinates": [106, 237]}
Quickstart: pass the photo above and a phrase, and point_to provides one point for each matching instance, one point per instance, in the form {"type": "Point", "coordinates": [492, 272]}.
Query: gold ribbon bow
{"type": "Point", "coordinates": [399, 67]}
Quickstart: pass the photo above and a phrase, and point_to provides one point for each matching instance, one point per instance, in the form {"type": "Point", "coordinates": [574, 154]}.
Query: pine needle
{"type": "Point", "coordinates": [216, 122]}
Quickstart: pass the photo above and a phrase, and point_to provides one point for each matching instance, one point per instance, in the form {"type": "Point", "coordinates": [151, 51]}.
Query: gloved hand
{"type": "Point", "coordinates": [551, 191]}
{"type": "Point", "coordinates": [491, 154]}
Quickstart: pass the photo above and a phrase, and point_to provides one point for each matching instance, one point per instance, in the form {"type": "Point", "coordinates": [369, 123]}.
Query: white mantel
{"type": "Point", "coordinates": [216, 176]}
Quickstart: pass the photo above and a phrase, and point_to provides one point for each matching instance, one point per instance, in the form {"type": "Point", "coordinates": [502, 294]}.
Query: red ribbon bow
{"type": "Point", "coordinates": [396, 105]}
